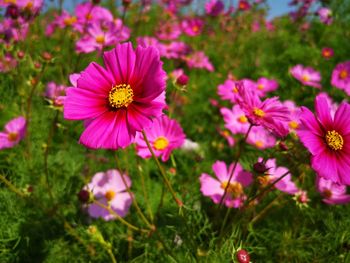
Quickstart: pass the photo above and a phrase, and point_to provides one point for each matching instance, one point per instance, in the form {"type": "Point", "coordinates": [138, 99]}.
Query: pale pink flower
{"type": "Point", "coordinates": [14, 132]}
{"type": "Point", "coordinates": [306, 75]}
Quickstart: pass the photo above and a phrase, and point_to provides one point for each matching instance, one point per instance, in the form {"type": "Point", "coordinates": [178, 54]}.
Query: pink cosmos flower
{"type": "Point", "coordinates": [327, 52]}
{"type": "Point", "coordinates": [15, 30]}
{"type": "Point", "coordinates": [15, 131]}
{"type": "Point", "coordinates": [199, 60]}
{"type": "Point", "coordinates": [244, 5]}
{"type": "Point", "coordinates": [228, 91]}
{"type": "Point", "coordinates": [55, 93]}
{"type": "Point", "coordinates": [88, 13]}
{"type": "Point", "coordinates": [169, 30]}
{"type": "Point", "coordinates": [175, 50]}
{"type": "Point", "coordinates": [7, 62]}
{"type": "Point", "coordinates": [294, 122]}
{"type": "Point", "coordinates": [270, 113]}
{"type": "Point", "coordinates": [192, 26]}
{"type": "Point", "coordinates": [332, 193]}
{"type": "Point", "coordinates": [99, 35]}
{"type": "Point", "coordinates": [109, 189]}
{"type": "Point", "coordinates": [214, 7]}
{"type": "Point", "coordinates": [325, 15]}
{"type": "Point", "coordinates": [261, 138]}
{"type": "Point", "coordinates": [306, 75]}
{"type": "Point", "coordinates": [341, 77]}
{"type": "Point", "coordinates": [235, 120]}
{"type": "Point", "coordinates": [264, 85]}
{"type": "Point", "coordinates": [120, 100]}
{"type": "Point", "coordinates": [275, 172]}
{"type": "Point", "coordinates": [164, 136]}
{"type": "Point", "coordinates": [215, 188]}
{"type": "Point", "coordinates": [227, 135]}
{"type": "Point", "coordinates": [328, 139]}
{"type": "Point", "coordinates": [61, 21]}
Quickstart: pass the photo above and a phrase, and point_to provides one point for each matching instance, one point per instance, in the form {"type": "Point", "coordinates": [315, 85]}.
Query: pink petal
{"type": "Point", "coordinates": [210, 186]}
{"type": "Point", "coordinates": [220, 170]}
{"type": "Point", "coordinates": [83, 104]}
{"type": "Point", "coordinates": [120, 62]}
{"type": "Point", "coordinates": [121, 203]}
{"type": "Point", "coordinates": [323, 112]}
{"type": "Point", "coordinates": [342, 119]}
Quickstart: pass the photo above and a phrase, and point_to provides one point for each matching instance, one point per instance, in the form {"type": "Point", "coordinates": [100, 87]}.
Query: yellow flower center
{"type": "Point", "coordinates": [259, 144]}
{"type": "Point", "coordinates": [334, 140]}
{"type": "Point", "coordinates": [10, 1]}
{"type": "Point", "coordinates": [234, 188]}
{"type": "Point", "coordinates": [12, 136]}
{"type": "Point", "coordinates": [88, 16]}
{"type": "Point", "coordinates": [343, 74]}
{"type": "Point", "coordinates": [161, 143]}
{"type": "Point", "coordinates": [242, 119]}
{"type": "Point", "coordinates": [264, 180]}
{"type": "Point", "coordinates": [29, 5]}
{"type": "Point", "coordinates": [120, 96]}
{"type": "Point", "coordinates": [226, 133]}
{"type": "Point", "coordinates": [235, 90]}
{"type": "Point", "coordinates": [261, 86]}
{"type": "Point", "coordinates": [293, 125]}
{"type": "Point", "coordinates": [70, 20]}
{"type": "Point", "coordinates": [195, 29]}
{"type": "Point", "coordinates": [100, 39]}
{"type": "Point", "coordinates": [110, 194]}
{"type": "Point", "coordinates": [305, 78]}
{"type": "Point", "coordinates": [326, 53]}
{"type": "Point", "coordinates": [259, 112]}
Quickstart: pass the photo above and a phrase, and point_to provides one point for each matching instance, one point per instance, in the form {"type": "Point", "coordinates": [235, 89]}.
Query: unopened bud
{"type": "Point", "coordinates": [46, 56]}
{"type": "Point", "coordinates": [182, 80]}
{"type": "Point", "coordinates": [243, 256]}
{"type": "Point", "coordinates": [260, 167]}
{"type": "Point", "coordinates": [12, 11]}
{"type": "Point", "coordinates": [283, 146]}
{"type": "Point", "coordinates": [84, 196]}
{"type": "Point", "coordinates": [20, 54]}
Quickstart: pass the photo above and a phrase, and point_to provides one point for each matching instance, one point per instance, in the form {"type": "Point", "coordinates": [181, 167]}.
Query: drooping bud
{"type": "Point", "coordinates": [84, 196]}
{"type": "Point", "coordinates": [182, 80]}
{"type": "Point", "coordinates": [12, 11]}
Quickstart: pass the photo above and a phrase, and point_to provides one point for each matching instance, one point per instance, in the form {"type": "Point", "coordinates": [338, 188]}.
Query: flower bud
{"type": "Point", "coordinates": [242, 256]}
{"type": "Point", "coordinates": [84, 196]}
{"type": "Point", "coordinates": [182, 80]}
{"type": "Point", "coordinates": [260, 167]}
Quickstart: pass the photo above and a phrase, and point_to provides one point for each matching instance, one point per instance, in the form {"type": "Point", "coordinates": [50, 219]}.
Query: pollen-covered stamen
{"type": "Point", "coordinates": [343, 74]}
{"type": "Point", "coordinates": [305, 78]}
{"type": "Point", "coordinates": [161, 143]}
{"type": "Point", "coordinates": [293, 125]}
{"type": "Point", "coordinates": [242, 119]}
{"type": "Point", "coordinates": [234, 188]}
{"type": "Point", "coordinates": [259, 144]}
{"type": "Point", "coordinates": [261, 86]}
{"type": "Point", "coordinates": [110, 194]}
{"type": "Point", "coordinates": [70, 21]}
{"type": "Point", "coordinates": [258, 112]}
{"type": "Point", "coordinates": [120, 96]}
{"type": "Point", "coordinates": [100, 39]}
{"type": "Point", "coordinates": [12, 136]}
{"type": "Point", "coordinates": [334, 140]}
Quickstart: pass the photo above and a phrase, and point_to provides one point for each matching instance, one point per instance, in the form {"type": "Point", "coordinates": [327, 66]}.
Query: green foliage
{"type": "Point", "coordinates": [49, 168]}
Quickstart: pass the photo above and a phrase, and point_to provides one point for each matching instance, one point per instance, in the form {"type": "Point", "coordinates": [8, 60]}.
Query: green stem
{"type": "Point", "coordinates": [162, 172]}
{"type": "Point", "coordinates": [123, 221]}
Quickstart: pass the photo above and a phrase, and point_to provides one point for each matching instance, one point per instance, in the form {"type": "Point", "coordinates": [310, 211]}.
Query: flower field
{"type": "Point", "coordinates": [174, 131]}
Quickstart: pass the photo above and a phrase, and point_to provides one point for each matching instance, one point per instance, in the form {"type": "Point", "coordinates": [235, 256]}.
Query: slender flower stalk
{"type": "Point", "coordinates": [162, 172]}
{"type": "Point", "coordinates": [235, 165]}
{"type": "Point", "coordinates": [118, 217]}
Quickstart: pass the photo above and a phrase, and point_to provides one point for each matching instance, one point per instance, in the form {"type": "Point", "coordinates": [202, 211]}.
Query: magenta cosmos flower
{"type": "Point", "coordinates": [199, 60]}
{"type": "Point", "coordinates": [328, 139]}
{"type": "Point", "coordinates": [332, 193]}
{"type": "Point", "coordinates": [306, 75]}
{"type": "Point", "coordinates": [120, 100]}
{"type": "Point", "coordinates": [270, 113]}
{"type": "Point", "coordinates": [264, 85]}
{"type": "Point", "coordinates": [214, 7]}
{"type": "Point", "coordinates": [109, 189]}
{"type": "Point", "coordinates": [15, 131]}
{"type": "Point", "coordinates": [55, 93]}
{"type": "Point", "coordinates": [235, 119]}
{"type": "Point", "coordinates": [215, 188]}
{"type": "Point", "coordinates": [341, 76]}
{"type": "Point", "coordinates": [327, 52]}
{"type": "Point", "coordinates": [192, 26]}
{"type": "Point", "coordinates": [164, 136]}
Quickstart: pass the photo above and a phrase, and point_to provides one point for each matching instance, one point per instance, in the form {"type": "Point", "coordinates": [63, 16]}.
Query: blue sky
{"type": "Point", "coordinates": [277, 7]}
